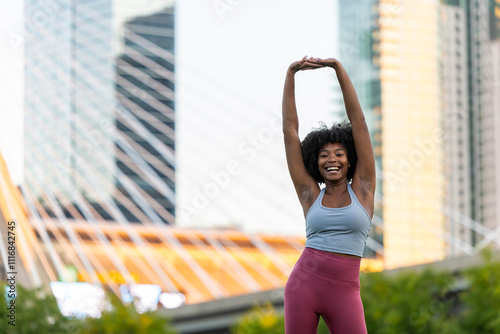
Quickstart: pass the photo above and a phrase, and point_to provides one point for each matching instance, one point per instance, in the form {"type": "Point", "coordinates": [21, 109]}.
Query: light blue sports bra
{"type": "Point", "coordinates": [340, 230]}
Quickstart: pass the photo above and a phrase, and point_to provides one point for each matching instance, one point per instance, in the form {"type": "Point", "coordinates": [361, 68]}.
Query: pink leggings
{"type": "Point", "coordinates": [326, 284]}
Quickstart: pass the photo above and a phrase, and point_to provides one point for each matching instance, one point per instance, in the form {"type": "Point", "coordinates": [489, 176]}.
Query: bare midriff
{"type": "Point", "coordinates": [346, 255]}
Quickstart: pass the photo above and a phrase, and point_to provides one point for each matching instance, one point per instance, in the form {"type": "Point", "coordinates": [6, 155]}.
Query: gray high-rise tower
{"type": "Point", "coordinates": [69, 100]}
{"type": "Point", "coordinates": [145, 87]}
{"type": "Point", "coordinates": [455, 126]}
{"type": "Point", "coordinates": [359, 53]}
{"type": "Point", "coordinates": [99, 114]}
{"type": "Point", "coordinates": [480, 137]}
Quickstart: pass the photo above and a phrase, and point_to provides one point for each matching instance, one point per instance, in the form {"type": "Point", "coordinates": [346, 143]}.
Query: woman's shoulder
{"type": "Point", "coordinates": [309, 196]}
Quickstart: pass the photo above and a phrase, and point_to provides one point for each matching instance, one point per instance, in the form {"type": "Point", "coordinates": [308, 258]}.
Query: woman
{"type": "Point", "coordinates": [325, 279]}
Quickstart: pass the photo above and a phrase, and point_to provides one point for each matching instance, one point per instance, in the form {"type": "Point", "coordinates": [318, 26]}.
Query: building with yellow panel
{"type": "Point", "coordinates": [411, 134]}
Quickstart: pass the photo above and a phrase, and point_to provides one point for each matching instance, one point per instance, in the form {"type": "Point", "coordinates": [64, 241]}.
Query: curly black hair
{"type": "Point", "coordinates": [318, 138]}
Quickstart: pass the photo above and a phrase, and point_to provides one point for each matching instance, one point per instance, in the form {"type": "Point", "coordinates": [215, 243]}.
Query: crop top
{"type": "Point", "coordinates": [340, 230]}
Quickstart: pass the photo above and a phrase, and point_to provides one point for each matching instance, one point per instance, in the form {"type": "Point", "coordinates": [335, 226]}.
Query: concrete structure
{"type": "Point", "coordinates": [480, 110]}
{"type": "Point", "coordinates": [455, 127]}
{"type": "Point", "coordinates": [482, 19]}
{"type": "Point", "coordinates": [487, 113]}
{"type": "Point", "coordinates": [492, 148]}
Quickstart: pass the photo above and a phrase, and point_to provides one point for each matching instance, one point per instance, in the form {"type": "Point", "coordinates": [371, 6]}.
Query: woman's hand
{"type": "Point", "coordinates": [305, 64]}
{"type": "Point", "coordinates": [329, 62]}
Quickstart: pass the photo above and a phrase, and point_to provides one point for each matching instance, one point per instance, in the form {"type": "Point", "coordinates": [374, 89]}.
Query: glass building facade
{"type": "Point", "coordinates": [69, 104]}
{"type": "Point", "coordinates": [145, 87]}
{"type": "Point", "coordinates": [359, 53]}
{"type": "Point", "coordinates": [99, 109]}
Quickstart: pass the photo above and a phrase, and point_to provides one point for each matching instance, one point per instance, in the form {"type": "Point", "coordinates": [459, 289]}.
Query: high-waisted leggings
{"type": "Point", "coordinates": [326, 284]}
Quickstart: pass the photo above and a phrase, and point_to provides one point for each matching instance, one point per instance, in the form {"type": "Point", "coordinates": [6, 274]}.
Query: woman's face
{"type": "Point", "coordinates": [333, 163]}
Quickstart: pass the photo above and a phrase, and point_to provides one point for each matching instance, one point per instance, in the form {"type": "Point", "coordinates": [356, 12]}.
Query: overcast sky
{"type": "Point", "coordinates": [11, 85]}
{"type": "Point", "coordinates": [231, 62]}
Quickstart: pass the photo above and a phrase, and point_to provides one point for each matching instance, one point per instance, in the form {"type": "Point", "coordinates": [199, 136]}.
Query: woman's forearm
{"type": "Point", "coordinates": [290, 118]}
{"type": "Point", "coordinates": [351, 102]}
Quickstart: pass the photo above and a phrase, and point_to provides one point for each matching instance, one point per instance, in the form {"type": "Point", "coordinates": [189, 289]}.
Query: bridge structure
{"type": "Point", "coordinates": [202, 264]}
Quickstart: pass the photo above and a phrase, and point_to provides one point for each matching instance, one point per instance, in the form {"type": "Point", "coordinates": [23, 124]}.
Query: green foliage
{"type": "Point", "coordinates": [260, 319]}
{"type": "Point", "coordinates": [36, 312]}
{"type": "Point", "coordinates": [482, 298]}
{"type": "Point", "coordinates": [407, 303]}
{"type": "Point", "coordinates": [264, 319]}
{"type": "Point", "coordinates": [125, 319]}
{"type": "Point", "coordinates": [322, 328]}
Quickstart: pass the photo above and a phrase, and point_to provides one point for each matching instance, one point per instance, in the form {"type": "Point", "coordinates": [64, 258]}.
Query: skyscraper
{"type": "Point", "coordinates": [480, 108]}
{"type": "Point", "coordinates": [69, 100]}
{"type": "Point", "coordinates": [411, 151]}
{"type": "Point", "coordinates": [439, 121]}
{"type": "Point", "coordinates": [100, 123]}
{"type": "Point", "coordinates": [486, 156]}
{"type": "Point", "coordinates": [145, 88]}
{"type": "Point", "coordinates": [455, 127]}
{"type": "Point", "coordinates": [482, 23]}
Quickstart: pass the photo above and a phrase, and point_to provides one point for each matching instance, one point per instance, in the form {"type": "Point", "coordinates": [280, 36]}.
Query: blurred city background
{"type": "Point", "coordinates": [141, 150]}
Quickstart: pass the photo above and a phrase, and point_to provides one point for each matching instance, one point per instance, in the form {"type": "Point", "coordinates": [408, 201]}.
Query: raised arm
{"type": "Point", "coordinates": [364, 178]}
{"type": "Point", "coordinates": [306, 187]}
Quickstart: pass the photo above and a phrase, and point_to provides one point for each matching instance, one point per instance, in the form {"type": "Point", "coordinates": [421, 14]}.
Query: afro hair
{"type": "Point", "coordinates": [318, 138]}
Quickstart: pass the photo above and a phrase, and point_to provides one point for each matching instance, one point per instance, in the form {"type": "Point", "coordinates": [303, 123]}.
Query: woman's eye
{"type": "Point", "coordinates": [340, 154]}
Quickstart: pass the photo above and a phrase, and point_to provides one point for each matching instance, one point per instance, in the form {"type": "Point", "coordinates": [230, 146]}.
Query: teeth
{"type": "Point", "coordinates": [332, 168]}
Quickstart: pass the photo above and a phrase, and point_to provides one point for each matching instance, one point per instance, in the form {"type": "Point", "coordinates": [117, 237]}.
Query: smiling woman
{"type": "Point", "coordinates": [325, 279]}
{"type": "Point", "coordinates": [341, 134]}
